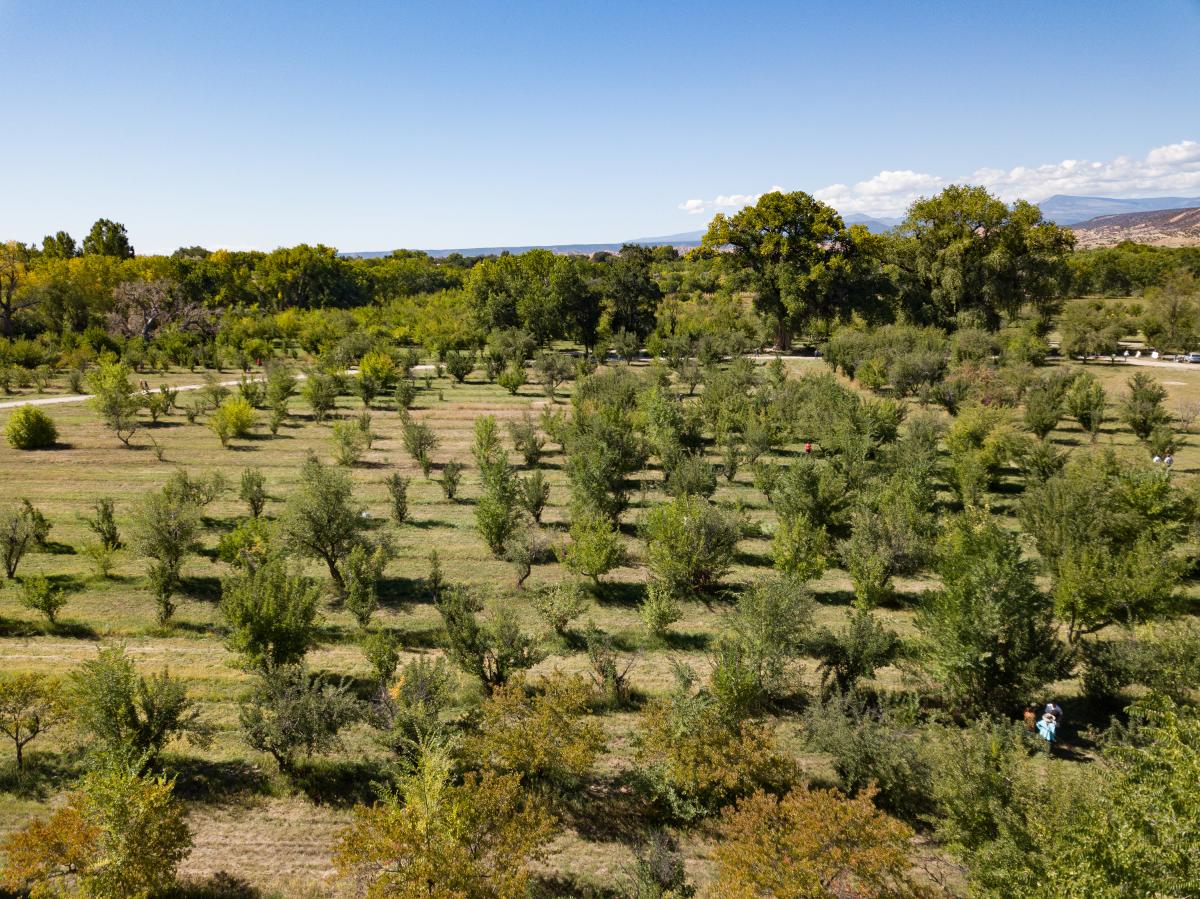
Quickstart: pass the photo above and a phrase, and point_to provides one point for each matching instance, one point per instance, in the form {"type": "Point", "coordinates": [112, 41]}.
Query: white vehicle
{"type": "Point", "coordinates": [1192, 357]}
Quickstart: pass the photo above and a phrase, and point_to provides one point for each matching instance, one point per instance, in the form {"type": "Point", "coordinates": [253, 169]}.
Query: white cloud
{"type": "Point", "coordinates": [1171, 168]}
{"type": "Point", "coordinates": [724, 201]}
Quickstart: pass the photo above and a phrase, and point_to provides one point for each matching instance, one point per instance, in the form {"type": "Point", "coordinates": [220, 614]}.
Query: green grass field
{"type": "Point", "coordinates": [247, 820]}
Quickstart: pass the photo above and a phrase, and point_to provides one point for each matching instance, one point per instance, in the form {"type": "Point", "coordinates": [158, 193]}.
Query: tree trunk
{"type": "Point", "coordinates": [339, 583]}
{"type": "Point", "coordinates": [783, 336]}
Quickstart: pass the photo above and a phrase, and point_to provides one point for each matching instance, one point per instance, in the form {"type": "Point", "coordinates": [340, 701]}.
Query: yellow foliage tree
{"type": "Point", "coordinates": [545, 737]}
{"type": "Point", "coordinates": [812, 844]}
{"type": "Point", "coordinates": [696, 760]}
{"type": "Point", "coordinates": [437, 840]}
{"type": "Point", "coordinates": [120, 836]}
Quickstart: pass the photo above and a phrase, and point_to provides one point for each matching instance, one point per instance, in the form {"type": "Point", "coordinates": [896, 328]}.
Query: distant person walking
{"type": "Point", "coordinates": [808, 449]}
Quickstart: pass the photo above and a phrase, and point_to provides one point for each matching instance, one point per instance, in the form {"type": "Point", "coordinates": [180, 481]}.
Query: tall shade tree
{"type": "Point", "coordinates": [108, 238]}
{"type": "Point", "coordinates": [59, 245]}
{"type": "Point", "coordinates": [630, 291]}
{"type": "Point", "coordinates": [573, 283]}
{"type": "Point", "coordinates": [964, 250]}
{"type": "Point", "coordinates": [14, 272]}
{"type": "Point", "coordinates": [798, 254]}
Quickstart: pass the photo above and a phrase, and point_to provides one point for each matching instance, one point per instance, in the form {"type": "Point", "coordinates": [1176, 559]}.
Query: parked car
{"type": "Point", "coordinates": [1192, 357]}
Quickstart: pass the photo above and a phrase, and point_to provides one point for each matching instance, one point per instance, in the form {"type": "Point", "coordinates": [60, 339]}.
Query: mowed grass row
{"type": "Point", "coordinates": [247, 821]}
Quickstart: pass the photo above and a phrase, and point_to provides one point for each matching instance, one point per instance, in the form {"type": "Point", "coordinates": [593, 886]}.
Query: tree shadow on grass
{"type": "Point", "coordinates": [221, 885]}
{"type": "Point", "coordinates": [618, 593]}
{"type": "Point", "coordinates": [425, 524]}
{"type": "Point", "coordinates": [205, 780]}
{"type": "Point", "coordinates": [686, 642]}
{"type": "Point", "coordinates": [202, 587]}
{"type": "Point", "coordinates": [610, 810]}
{"type": "Point", "coordinates": [44, 775]}
{"type": "Point", "coordinates": [339, 783]}
{"type": "Point", "coordinates": [398, 592]}
{"type": "Point", "coordinates": [561, 886]}
{"type": "Point", "coordinates": [54, 548]}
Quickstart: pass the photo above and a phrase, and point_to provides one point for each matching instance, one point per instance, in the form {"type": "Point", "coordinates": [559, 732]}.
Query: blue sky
{"type": "Point", "coordinates": [378, 125]}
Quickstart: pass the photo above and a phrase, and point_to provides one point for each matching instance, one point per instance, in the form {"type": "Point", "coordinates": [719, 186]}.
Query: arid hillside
{"type": "Point", "coordinates": [1162, 228]}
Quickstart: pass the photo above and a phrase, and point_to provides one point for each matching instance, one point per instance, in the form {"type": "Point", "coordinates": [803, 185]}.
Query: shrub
{"type": "Point", "coordinates": [292, 712]}
{"type": "Point", "coordinates": [420, 441]}
{"type": "Point", "coordinates": [694, 761]}
{"type": "Point", "coordinates": [496, 513]}
{"type": "Point", "coordinates": [692, 476]}
{"type": "Point", "coordinates": [459, 365]}
{"type": "Point", "coordinates": [405, 394]}
{"type": "Point", "coordinates": [423, 691]}
{"type": "Point", "coordinates": [382, 650]}
{"type": "Point", "coordinates": [39, 595]}
{"type": "Point", "coordinates": [271, 615]}
{"type": "Point", "coordinates": [320, 391]}
{"type": "Point", "coordinates": [873, 747]}
{"type": "Point", "coordinates": [1086, 402]}
{"type": "Point", "coordinates": [528, 442]}
{"type": "Point", "coordinates": [130, 716]}
{"type": "Point", "coordinates": [233, 418]}
{"type": "Point", "coordinates": [532, 493]}
{"type": "Point", "coordinates": [512, 378]}
{"type": "Point", "coordinates": [761, 639]}
{"type": "Point", "coordinates": [595, 547]}
{"type": "Point", "coordinates": [690, 544]}
{"type": "Point", "coordinates": [397, 488]}
{"type": "Point", "coordinates": [863, 646]}
{"type": "Point", "coordinates": [349, 442]}
{"type": "Point", "coordinates": [552, 370]}
{"type": "Point", "coordinates": [800, 548]}
{"type": "Point", "coordinates": [103, 523]}
{"type": "Point", "coordinates": [781, 847]}
{"type": "Point", "coordinates": [492, 651]}
{"type": "Point", "coordinates": [451, 476]}
{"type": "Point", "coordinates": [362, 570]}
{"type": "Point", "coordinates": [547, 737]}
{"type": "Point", "coordinates": [30, 428]}
{"type": "Point", "coordinates": [450, 838]}
{"type": "Point", "coordinates": [250, 545]}
{"type": "Point", "coordinates": [659, 610]}
{"type": "Point", "coordinates": [990, 632]}
{"type": "Point", "coordinates": [164, 530]}
{"type": "Point", "coordinates": [1142, 408]}
{"type": "Point", "coordinates": [114, 399]}
{"type": "Point", "coordinates": [102, 557]}
{"type": "Point", "coordinates": [121, 833]}
{"type": "Point", "coordinates": [559, 605]}
{"type": "Point", "coordinates": [253, 490]}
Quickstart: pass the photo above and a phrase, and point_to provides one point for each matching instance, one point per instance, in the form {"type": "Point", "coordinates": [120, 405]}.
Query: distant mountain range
{"type": "Point", "coordinates": [1067, 210]}
{"type": "Point", "coordinates": [1064, 209]}
{"type": "Point", "coordinates": [1161, 227]}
